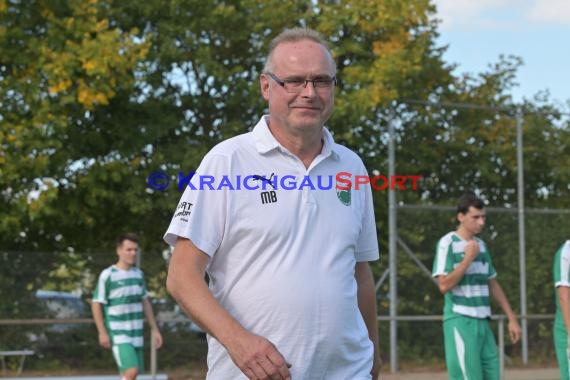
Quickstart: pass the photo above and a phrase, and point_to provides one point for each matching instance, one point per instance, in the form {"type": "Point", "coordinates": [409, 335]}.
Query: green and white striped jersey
{"type": "Point", "coordinates": [470, 296]}
{"type": "Point", "coordinates": [121, 292]}
{"type": "Point", "coordinates": [561, 270]}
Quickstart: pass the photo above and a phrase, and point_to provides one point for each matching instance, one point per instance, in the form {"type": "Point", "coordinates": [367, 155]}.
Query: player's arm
{"type": "Point", "coordinates": [367, 306]}
{"type": "Point", "coordinates": [103, 336]}
{"type": "Point", "coordinates": [500, 298]}
{"type": "Point", "coordinates": [564, 302]}
{"type": "Point", "coordinates": [446, 282]}
{"type": "Point", "coordinates": [256, 356]}
{"type": "Point", "coordinates": [155, 331]}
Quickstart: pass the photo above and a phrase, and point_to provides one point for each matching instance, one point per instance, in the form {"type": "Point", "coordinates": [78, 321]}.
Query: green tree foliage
{"type": "Point", "coordinates": [173, 88]}
{"type": "Point", "coordinates": [60, 61]}
{"type": "Point", "coordinates": [457, 146]}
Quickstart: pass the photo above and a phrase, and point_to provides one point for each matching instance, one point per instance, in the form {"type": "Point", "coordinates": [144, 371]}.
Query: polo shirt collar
{"type": "Point", "coordinates": [329, 147]}
{"type": "Point", "coordinates": [265, 141]}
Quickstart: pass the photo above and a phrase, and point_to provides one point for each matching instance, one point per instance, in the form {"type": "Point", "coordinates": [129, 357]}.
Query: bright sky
{"type": "Point", "coordinates": [538, 31]}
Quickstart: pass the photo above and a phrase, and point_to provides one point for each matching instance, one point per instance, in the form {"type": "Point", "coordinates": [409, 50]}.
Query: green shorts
{"type": "Point", "coordinates": [470, 349]}
{"type": "Point", "coordinates": [127, 356]}
{"type": "Point", "coordinates": [561, 345]}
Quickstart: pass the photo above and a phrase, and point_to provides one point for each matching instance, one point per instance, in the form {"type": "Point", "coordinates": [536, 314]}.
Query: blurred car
{"type": "Point", "coordinates": [59, 305]}
{"type": "Point", "coordinates": [62, 305]}
{"type": "Point", "coordinates": [170, 317]}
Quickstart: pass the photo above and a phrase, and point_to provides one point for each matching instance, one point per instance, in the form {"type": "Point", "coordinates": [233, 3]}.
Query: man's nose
{"type": "Point", "coordinates": [309, 88]}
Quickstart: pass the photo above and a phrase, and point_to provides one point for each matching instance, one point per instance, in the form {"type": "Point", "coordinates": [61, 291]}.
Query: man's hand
{"type": "Point", "coordinates": [258, 358]}
{"type": "Point", "coordinates": [471, 250]}
{"type": "Point", "coordinates": [514, 330]}
{"type": "Point", "coordinates": [104, 340]}
{"type": "Point", "coordinates": [157, 338]}
{"type": "Point", "coordinates": [376, 365]}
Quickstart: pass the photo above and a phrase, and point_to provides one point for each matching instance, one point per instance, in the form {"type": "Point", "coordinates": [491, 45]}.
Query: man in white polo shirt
{"type": "Point", "coordinates": [467, 278]}
{"type": "Point", "coordinates": [291, 293]}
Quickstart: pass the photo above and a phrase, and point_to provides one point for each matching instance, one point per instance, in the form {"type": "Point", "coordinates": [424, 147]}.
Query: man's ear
{"type": "Point", "coordinates": [460, 217]}
{"type": "Point", "coordinates": [264, 85]}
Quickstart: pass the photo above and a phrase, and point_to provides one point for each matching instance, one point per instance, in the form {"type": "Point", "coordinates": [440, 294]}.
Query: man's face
{"type": "Point", "coordinates": [127, 253]}
{"type": "Point", "coordinates": [473, 221]}
{"type": "Point", "coordinates": [311, 107]}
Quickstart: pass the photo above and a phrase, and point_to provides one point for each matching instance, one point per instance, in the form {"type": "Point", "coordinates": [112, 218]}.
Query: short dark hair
{"type": "Point", "coordinates": [127, 236]}
{"type": "Point", "coordinates": [295, 35]}
{"type": "Point", "coordinates": [469, 199]}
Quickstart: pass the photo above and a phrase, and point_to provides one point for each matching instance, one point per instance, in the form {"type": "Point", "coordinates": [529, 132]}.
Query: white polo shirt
{"type": "Point", "coordinates": [282, 256]}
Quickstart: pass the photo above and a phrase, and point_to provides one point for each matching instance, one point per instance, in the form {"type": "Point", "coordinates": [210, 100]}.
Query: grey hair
{"type": "Point", "coordinates": [294, 35]}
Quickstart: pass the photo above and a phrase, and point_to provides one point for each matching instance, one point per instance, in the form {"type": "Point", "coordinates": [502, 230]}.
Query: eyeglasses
{"type": "Point", "coordinates": [296, 85]}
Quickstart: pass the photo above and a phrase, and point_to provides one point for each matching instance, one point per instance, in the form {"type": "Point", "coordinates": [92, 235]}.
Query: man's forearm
{"type": "Point", "coordinates": [564, 302]}
{"type": "Point", "coordinates": [149, 314]}
{"type": "Point", "coordinates": [186, 284]}
{"type": "Point", "coordinates": [97, 312]}
{"type": "Point", "coordinates": [450, 281]}
{"type": "Point", "coordinates": [500, 298]}
{"type": "Point", "coordinates": [367, 301]}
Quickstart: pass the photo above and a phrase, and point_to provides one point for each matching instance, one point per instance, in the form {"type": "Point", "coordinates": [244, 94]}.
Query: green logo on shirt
{"type": "Point", "coordinates": [343, 195]}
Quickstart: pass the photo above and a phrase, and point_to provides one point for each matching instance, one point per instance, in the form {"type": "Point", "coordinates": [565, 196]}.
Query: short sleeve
{"type": "Point", "coordinates": [562, 266]}
{"type": "Point", "coordinates": [492, 273]}
{"type": "Point", "coordinates": [144, 287]}
{"type": "Point", "coordinates": [367, 244]}
{"type": "Point", "coordinates": [100, 292]}
{"type": "Point", "coordinates": [441, 263]}
{"type": "Point", "coordinates": [202, 211]}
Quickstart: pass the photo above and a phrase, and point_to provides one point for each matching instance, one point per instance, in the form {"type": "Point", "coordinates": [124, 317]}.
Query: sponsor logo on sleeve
{"type": "Point", "coordinates": [183, 211]}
